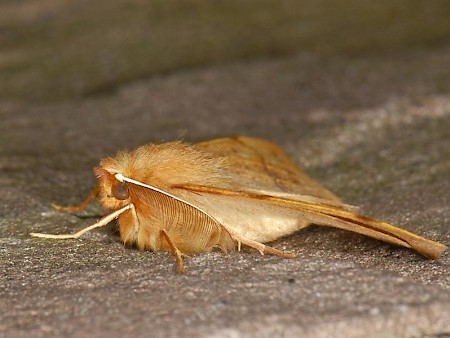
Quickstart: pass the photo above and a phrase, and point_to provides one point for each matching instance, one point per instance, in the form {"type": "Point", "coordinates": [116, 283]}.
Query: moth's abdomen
{"type": "Point", "coordinates": [190, 229]}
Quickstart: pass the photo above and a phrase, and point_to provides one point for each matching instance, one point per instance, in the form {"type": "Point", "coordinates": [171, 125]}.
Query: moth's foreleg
{"type": "Point", "coordinates": [80, 207]}
{"type": "Point", "coordinates": [175, 251]}
{"type": "Point", "coordinates": [102, 222]}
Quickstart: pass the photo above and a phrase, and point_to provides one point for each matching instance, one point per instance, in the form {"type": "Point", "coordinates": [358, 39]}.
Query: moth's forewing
{"type": "Point", "coordinates": [256, 203]}
{"type": "Point", "coordinates": [258, 164]}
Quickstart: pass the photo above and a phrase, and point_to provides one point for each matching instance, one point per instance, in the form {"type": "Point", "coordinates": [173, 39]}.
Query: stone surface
{"type": "Point", "coordinates": [375, 130]}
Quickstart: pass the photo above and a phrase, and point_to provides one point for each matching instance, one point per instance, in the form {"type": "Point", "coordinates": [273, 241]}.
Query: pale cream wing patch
{"type": "Point", "coordinates": [250, 218]}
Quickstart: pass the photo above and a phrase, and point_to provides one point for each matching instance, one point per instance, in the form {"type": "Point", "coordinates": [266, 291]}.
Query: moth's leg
{"type": "Point", "coordinates": [175, 251]}
{"type": "Point", "coordinates": [259, 246]}
{"type": "Point", "coordinates": [136, 223]}
{"type": "Point", "coordinates": [82, 206]}
{"type": "Point", "coordinates": [102, 222]}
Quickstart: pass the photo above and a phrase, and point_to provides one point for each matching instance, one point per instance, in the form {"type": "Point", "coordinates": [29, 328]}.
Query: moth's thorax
{"type": "Point", "coordinates": [163, 166]}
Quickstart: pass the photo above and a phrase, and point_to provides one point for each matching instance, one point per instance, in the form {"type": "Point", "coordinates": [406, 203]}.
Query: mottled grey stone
{"type": "Point", "coordinates": [375, 130]}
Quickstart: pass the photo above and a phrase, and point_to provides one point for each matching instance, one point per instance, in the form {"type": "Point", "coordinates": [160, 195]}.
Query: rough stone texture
{"type": "Point", "coordinates": [374, 130]}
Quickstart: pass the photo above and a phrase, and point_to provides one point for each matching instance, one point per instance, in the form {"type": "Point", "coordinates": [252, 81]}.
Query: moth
{"type": "Point", "coordinates": [222, 193]}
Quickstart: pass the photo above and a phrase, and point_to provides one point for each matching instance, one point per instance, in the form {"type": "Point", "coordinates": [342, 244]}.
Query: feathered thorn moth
{"type": "Point", "coordinates": [221, 193]}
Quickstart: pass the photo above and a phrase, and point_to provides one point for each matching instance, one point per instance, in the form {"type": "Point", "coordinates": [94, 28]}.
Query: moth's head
{"type": "Point", "coordinates": [113, 193]}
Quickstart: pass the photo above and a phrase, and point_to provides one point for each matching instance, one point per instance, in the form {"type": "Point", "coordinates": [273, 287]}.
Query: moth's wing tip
{"type": "Point", "coordinates": [434, 250]}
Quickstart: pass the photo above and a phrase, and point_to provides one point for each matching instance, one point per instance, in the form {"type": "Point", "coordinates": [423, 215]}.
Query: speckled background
{"type": "Point", "coordinates": [374, 129]}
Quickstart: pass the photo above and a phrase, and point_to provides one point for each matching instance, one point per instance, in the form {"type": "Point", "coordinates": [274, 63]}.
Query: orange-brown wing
{"type": "Point", "coordinates": [260, 165]}
{"type": "Point", "coordinates": [272, 198]}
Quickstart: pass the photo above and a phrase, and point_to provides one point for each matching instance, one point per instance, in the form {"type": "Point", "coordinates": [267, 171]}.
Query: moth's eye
{"type": "Point", "coordinates": [120, 191]}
